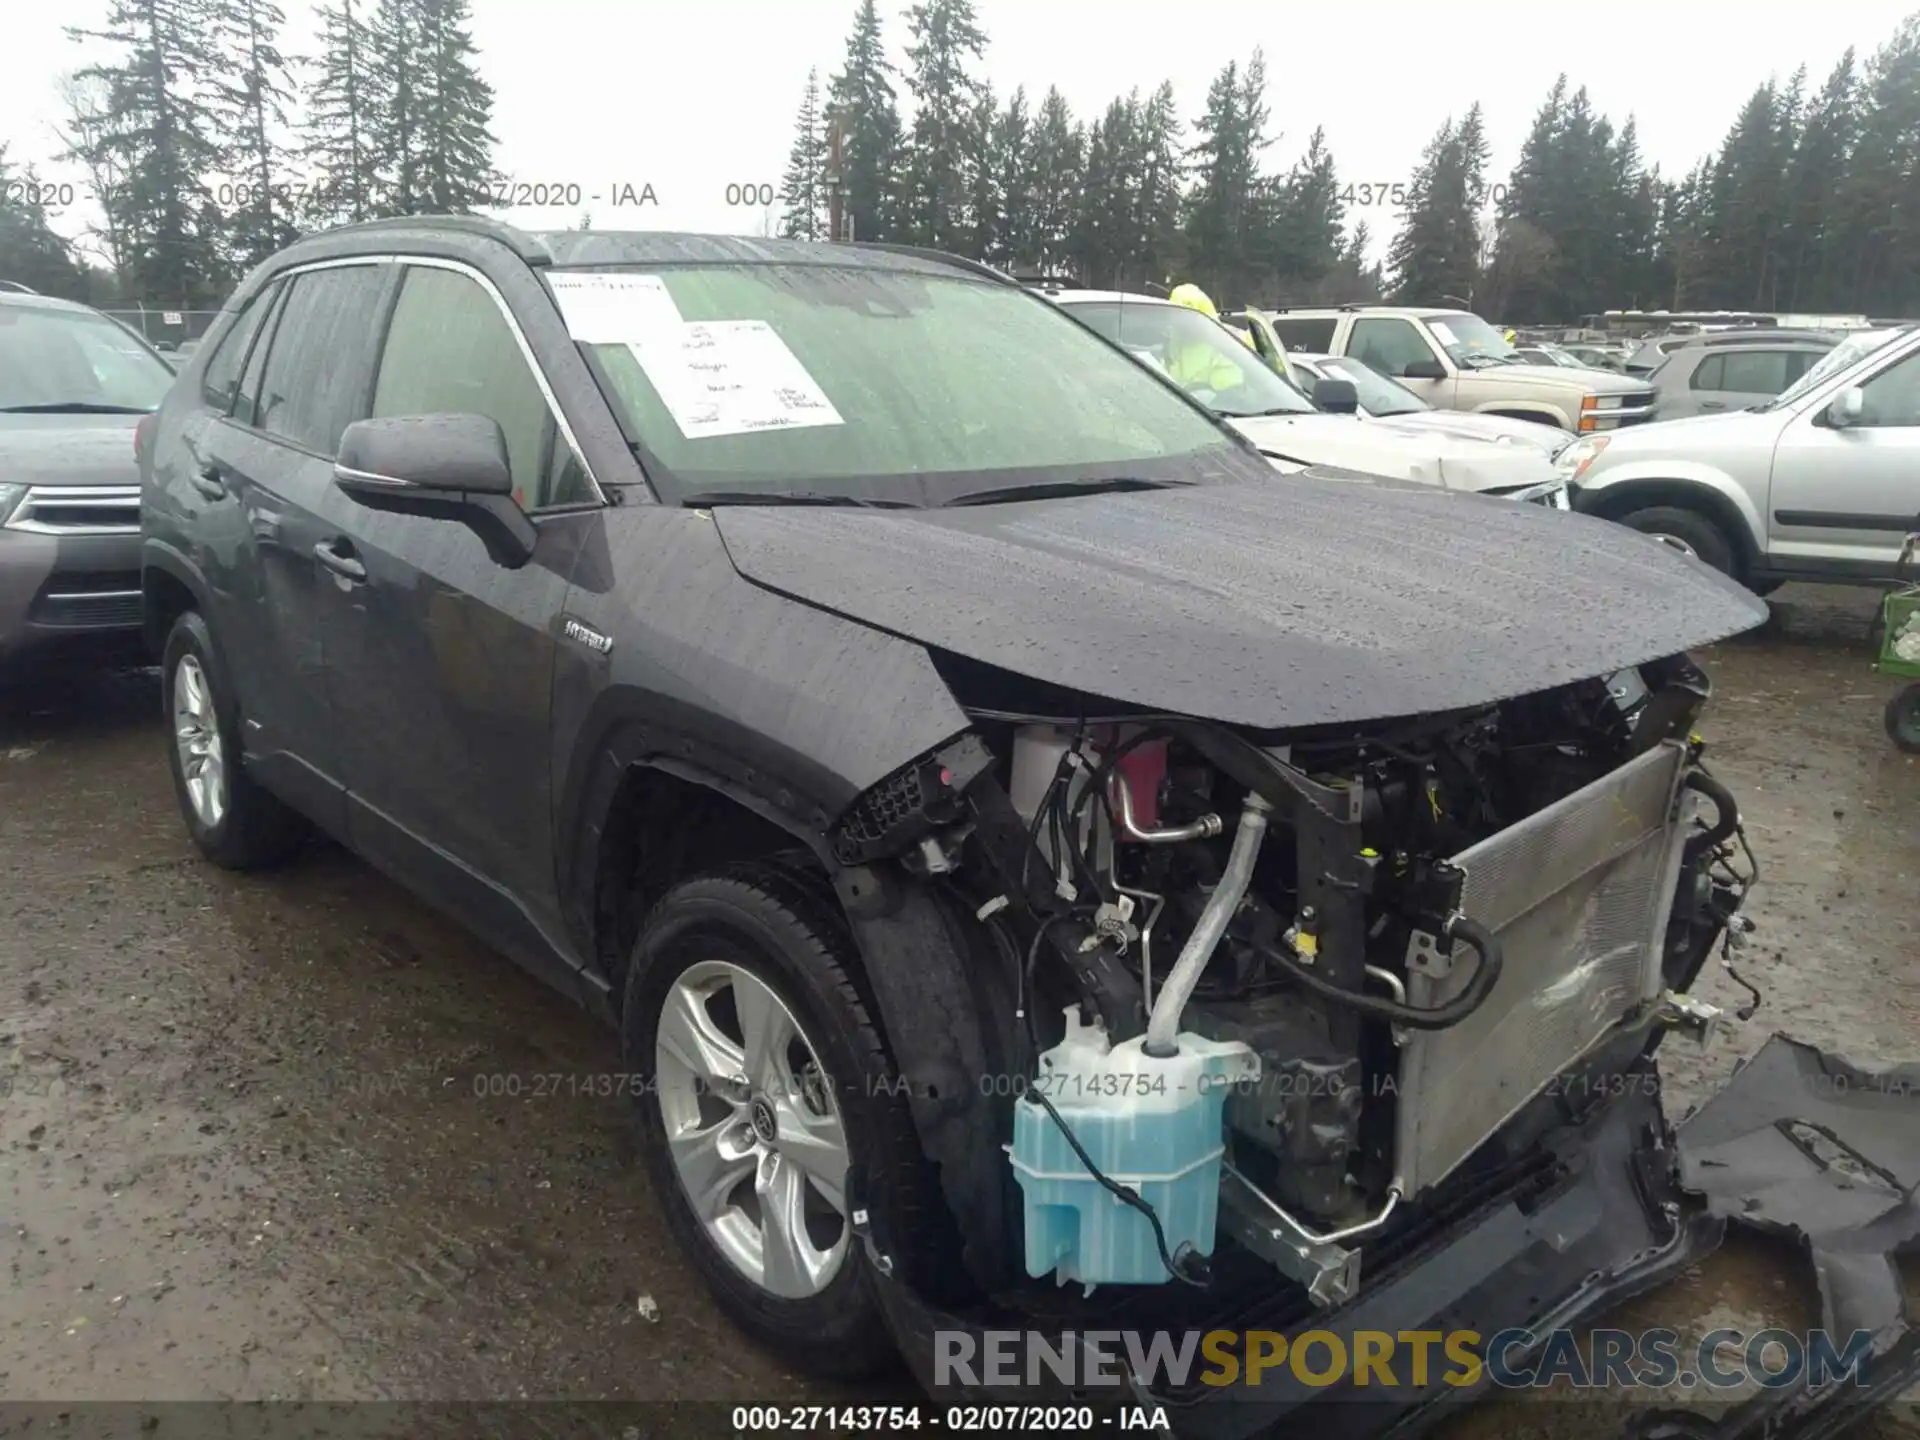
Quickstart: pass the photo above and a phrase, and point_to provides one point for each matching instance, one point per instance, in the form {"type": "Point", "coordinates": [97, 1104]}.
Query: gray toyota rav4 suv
{"type": "Point", "coordinates": [903, 715]}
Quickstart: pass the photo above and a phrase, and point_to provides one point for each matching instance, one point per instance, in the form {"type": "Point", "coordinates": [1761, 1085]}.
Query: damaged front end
{"type": "Point", "coordinates": [1326, 1028]}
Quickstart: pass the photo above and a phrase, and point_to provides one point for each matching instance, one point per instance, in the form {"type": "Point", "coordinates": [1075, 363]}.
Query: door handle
{"type": "Point", "coordinates": [338, 563]}
{"type": "Point", "coordinates": [1713, 404]}
{"type": "Point", "coordinates": [207, 480]}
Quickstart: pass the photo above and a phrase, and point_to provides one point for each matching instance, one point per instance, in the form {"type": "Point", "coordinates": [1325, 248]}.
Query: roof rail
{"type": "Point", "coordinates": [928, 252]}
{"type": "Point", "coordinates": [527, 246]}
{"type": "Point", "coordinates": [17, 288]}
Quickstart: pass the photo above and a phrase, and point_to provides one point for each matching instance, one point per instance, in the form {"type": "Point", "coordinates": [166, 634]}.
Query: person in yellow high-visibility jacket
{"type": "Point", "coordinates": [1194, 364]}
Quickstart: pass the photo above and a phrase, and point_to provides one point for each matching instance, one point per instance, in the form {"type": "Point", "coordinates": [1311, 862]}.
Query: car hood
{"type": "Point", "coordinates": [1561, 380]}
{"type": "Point", "coordinates": [1284, 601]}
{"type": "Point", "coordinates": [1380, 447]}
{"type": "Point", "coordinates": [1693, 434]}
{"type": "Point", "coordinates": [68, 450]}
{"type": "Point", "coordinates": [1549, 440]}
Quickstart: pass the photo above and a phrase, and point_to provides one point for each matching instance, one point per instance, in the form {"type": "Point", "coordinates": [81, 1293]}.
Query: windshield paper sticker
{"type": "Point", "coordinates": [603, 309]}
{"type": "Point", "coordinates": [1442, 333]}
{"type": "Point", "coordinates": [730, 377]}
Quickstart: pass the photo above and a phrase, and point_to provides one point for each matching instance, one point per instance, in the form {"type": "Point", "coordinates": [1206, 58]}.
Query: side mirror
{"type": "Point", "coordinates": [1336, 397]}
{"type": "Point", "coordinates": [1847, 407]}
{"type": "Point", "coordinates": [439, 467]}
{"type": "Point", "coordinates": [1423, 370]}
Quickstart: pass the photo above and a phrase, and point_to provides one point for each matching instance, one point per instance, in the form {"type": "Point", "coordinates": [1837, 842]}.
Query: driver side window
{"type": "Point", "coordinates": [1388, 345]}
{"type": "Point", "coordinates": [1893, 396]}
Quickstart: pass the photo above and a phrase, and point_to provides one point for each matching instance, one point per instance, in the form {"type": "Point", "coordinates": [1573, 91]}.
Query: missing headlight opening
{"type": "Point", "coordinates": [1280, 987]}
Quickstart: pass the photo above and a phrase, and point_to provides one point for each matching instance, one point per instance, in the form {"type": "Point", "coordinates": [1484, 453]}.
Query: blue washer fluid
{"type": "Point", "coordinates": [1152, 1124]}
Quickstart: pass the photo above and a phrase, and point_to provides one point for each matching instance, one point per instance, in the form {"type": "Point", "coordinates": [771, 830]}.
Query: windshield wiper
{"type": "Point", "coordinates": [706, 499]}
{"type": "Point", "coordinates": [1262, 414]}
{"type": "Point", "coordinates": [73, 407]}
{"type": "Point", "coordinates": [1050, 489]}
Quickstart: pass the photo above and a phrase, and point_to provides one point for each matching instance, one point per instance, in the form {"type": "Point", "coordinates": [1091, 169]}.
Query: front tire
{"type": "Point", "coordinates": [236, 824]}
{"type": "Point", "coordinates": [1903, 719]}
{"type": "Point", "coordinates": [770, 1111]}
{"type": "Point", "coordinates": [1686, 530]}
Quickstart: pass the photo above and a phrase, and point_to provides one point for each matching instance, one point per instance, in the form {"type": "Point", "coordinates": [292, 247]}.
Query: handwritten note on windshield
{"type": "Point", "coordinates": [731, 377]}
{"type": "Point", "coordinates": [612, 309]}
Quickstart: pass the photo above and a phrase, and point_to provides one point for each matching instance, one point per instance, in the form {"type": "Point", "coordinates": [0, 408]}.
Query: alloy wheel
{"type": "Point", "coordinates": [196, 731]}
{"type": "Point", "coordinates": [753, 1130]}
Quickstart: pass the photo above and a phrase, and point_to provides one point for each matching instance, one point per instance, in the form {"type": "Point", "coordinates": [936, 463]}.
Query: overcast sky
{"type": "Point", "coordinates": [691, 98]}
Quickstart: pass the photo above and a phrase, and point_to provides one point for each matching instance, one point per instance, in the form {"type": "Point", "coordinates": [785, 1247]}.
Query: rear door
{"type": "Point", "coordinates": [1846, 498]}
{"type": "Point", "coordinates": [445, 658]}
{"type": "Point", "coordinates": [1735, 379]}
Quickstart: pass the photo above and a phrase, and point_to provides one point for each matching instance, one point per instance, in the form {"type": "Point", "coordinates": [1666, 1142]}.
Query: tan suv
{"type": "Point", "coordinates": [1454, 360]}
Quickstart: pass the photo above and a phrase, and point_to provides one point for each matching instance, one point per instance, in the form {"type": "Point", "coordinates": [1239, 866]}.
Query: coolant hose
{"type": "Point", "coordinates": [1723, 802]}
{"type": "Point", "coordinates": [1440, 1017]}
{"type": "Point", "coordinates": [1164, 1023]}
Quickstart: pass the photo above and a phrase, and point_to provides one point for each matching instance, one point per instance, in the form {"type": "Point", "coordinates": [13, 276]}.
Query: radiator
{"type": "Point", "coordinates": [1578, 896]}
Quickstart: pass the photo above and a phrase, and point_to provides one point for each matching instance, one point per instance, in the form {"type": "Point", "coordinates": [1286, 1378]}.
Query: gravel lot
{"type": "Point", "coordinates": [247, 1149]}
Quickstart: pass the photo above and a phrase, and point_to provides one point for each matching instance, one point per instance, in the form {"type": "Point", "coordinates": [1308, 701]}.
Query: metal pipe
{"type": "Point", "coordinates": [1205, 828]}
{"type": "Point", "coordinates": [1164, 1023]}
{"type": "Point", "coordinates": [1314, 1237]}
{"type": "Point", "coordinates": [1392, 981]}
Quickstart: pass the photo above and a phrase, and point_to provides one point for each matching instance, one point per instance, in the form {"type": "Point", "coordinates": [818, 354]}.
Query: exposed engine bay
{"type": "Point", "coordinates": [1273, 986]}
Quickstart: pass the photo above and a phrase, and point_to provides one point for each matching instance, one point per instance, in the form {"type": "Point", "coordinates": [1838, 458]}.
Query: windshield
{"type": "Point", "coordinates": [1379, 396]}
{"type": "Point", "coordinates": [858, 382]}
{"type": "Point", "coordinates": [1199, 354]}
{"type": "Point", "coordinates": [53, 359]}
{"type": "Point", "coordinates": [1471, 341]}
{"type": "Point", "coordinates": [1846, 353]}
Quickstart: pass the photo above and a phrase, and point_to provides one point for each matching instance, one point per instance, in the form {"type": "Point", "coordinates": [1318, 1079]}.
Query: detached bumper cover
{"type": "Point", "coordinates": [1628, 1208]}
{"type": "Point", "coordinates": [1811, 1148]}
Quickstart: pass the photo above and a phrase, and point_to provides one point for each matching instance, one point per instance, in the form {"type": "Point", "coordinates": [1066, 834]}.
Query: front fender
{"type": "Point", "coordinates": [1662, 479]}
{"type": "Point", "coordinates": [158, 557]}
{"type": "Point", "coordinates": [1526, 410]}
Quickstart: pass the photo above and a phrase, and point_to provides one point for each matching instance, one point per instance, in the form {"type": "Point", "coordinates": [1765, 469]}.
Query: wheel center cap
{"type": "Point", "coordinates": [760, 1115]}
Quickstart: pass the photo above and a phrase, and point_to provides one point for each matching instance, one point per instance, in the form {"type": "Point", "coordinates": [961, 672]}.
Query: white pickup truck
{"type": "Point", "coordinates": [1454, 360]}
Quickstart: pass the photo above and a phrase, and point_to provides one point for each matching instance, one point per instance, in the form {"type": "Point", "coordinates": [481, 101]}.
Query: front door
{"type": "Point", "coordinates": [1850, 495]}
{"type": "Point", "coordinates": [446, 657]}
{"type": "Point", "coordinates": [1389, 344]}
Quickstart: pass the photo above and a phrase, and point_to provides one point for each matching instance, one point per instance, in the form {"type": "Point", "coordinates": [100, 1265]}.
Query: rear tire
{"type": "Point", "coordinates": [1903, 719]}
{"type": "Point", "coordinates": [234, 821]}
{"type": "Point", "coordinates": [1696, 534]}
{"type": "Point", "coordinates": [781, 956]}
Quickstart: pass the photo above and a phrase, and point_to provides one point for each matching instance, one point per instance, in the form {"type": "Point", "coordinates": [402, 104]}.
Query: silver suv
{"type": "Point", "coordinates": [1454, 360]}
{"type": "Point", "coordinates": [1820, 483]}
{"type": "Point", "coordinates": [1735, 370]}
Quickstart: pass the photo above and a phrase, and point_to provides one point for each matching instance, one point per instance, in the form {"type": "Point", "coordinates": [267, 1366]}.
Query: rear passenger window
{"type": "Point", "coordinates": [1313, 336]}
{"type": "Point", "coordinates": [315, 383]}
{"type": "Point", "coordinates": [451, 351]}
{"type": "Point", "coordinates": [1755, 372]}
{"type": "Point", "coordinates": [220, 381]}
{"type": "Point", "coordinates": [1709, 374]}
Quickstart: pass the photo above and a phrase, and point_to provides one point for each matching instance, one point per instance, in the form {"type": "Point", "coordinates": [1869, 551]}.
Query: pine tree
{"type": "Point", "coordinates": [1436, 253]}
{"type": "Point", "coordinates": [1882, 194]}
{"type": "Point", "coordinates": [863, 94]}
{"type": "Point", "coordinates": [338, 127]}
{"type": "Point", "coordinates": [1157, 196]}
{"type": "Point", "coordinates": [250, 96]}
{"type": "Point", "coordinates": [944, 38]}
{"type": "Point", "coordinates": [1814, 205]}
{"type": "Point", "coordinates": [983, 182]}
{"type": "Point", "coordinates": [1012, 151]}
{"type": "Point", "coordinates": [455, 168]}
{"type": "Point", "coordinates": [157, 135]}
{"type": "Point", "coordinates": [1053, 199]}
{"type": "Point", "coordinates": [396, 96]}
{"type": "Point", "coordinates": [803, 191]}
{"type": "Point", "coordinates": [1231, 133]}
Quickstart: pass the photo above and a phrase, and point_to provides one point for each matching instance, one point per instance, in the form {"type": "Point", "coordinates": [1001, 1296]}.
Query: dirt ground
{"type": "Point", "coordinates": [249, 1145]}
